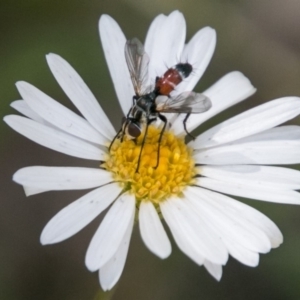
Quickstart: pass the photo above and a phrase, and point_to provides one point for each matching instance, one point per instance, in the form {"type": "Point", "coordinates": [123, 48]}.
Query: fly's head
{"type": "Point", "coordinates": [131, 127]}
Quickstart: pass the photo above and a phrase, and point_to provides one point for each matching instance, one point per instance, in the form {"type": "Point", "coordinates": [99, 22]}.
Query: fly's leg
{"type": "Point", "coordinates": [122, 129]}
{"type": "Point", "coordinates": [125, 121]}
{"type": "Point", "coordinates": [142, 146]}
{"type": "Point", "coordinates": [115, 137]}
{"type": "Point", "coordinates": [184, 126]}
{"type": "Point", "coordinates": [149, 121]}
{"type": "Point", "coordinates": [163, 119]}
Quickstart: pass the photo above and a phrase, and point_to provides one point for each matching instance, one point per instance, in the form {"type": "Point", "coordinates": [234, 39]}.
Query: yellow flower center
{"type": "Point", "coordinates": [176, 168]}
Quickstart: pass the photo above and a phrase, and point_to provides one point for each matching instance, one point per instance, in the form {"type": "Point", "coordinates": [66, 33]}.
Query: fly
{"type": "Point", "coordinates": [150, 102]}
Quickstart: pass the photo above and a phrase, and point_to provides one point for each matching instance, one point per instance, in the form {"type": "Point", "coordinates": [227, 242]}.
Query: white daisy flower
{"type": "Point", "coordinates": [187, 189]}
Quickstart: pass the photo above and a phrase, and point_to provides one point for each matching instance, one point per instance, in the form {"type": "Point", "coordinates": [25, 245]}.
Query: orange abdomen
{"type": "Point", "coordinates": [167, 83]}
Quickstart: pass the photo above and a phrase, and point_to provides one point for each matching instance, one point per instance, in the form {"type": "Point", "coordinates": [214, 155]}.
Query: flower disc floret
{"type": "Point", "coordinates": [176, 168]}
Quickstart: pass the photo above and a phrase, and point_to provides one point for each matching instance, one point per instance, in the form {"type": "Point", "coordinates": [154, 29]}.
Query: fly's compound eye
{"type": "Point", "coordinates": [133, 130]}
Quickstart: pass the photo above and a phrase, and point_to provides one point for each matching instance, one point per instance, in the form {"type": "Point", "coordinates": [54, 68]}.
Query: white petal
{"type": "Point", "coordinates": [153, 31]}
{"type": "Point", "coordinates": [252, 191]}
{"type": "Point", "coordinates": [237, 221]}
{"type": "Point", "coordinates": [81, 96]}
{"type": "Point", "coordinates": [255, 120]}
{"type": "Point", "coordinates": [23, 108]}
{"type": "Point", "coordinates": [242, 254]}
{"type": "Point", "coordinates": [113, 43]}
{"type": "Point", "coordinates": [110, 273]}
{"type": "Point", "coordinates": [54, 139]}
{"type": "Point", "coordinates": [29, 190]}
{"type": "Point", "coordinates": [79, 213]}
{"type": "Point", "coordinates": [58, 115]}
{"type": "Point", "coordinates": [61, 178]}
{"type": "Point", "coordinates": [215, 270]}
{"type": "Point", "coordinates": [225, 223]}
{"type": "Point", "coordinates": [198, 52]}
{"type": "Point", "coordinates": [186, 244]}
{"type": "Point", "coordinates": [267, 148]}
{"type": "Point", "coordinates": [198, 234]}
{"type": "Point", "coordinates": [229, 90]}
{"type": "Point", "coordinates": [110, 233]}
{"type": "Point", "coordinates": [167, 45]}
{"type": "Point", "coordinates": [270, 177]}
{"type": "Point", "coordinates": [152, 231]}
{"type": "Point", "coordinates": [289, 133]}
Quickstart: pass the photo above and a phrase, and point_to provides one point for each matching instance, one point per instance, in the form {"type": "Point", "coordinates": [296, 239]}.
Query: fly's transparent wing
{"type": "Point", "coordinates": [186, 102]}
{"type": "Point", "coordinates": [137, 61]}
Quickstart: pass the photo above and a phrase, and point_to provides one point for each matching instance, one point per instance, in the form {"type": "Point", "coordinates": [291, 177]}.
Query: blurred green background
{"type": "Point", "coordinates": [261, 38]}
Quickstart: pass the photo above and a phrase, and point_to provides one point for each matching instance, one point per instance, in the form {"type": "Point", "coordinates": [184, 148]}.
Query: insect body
{"type": "Point", "coordinates": [145, 105]}
{"type": "Point", "coordinates": [150, 102]}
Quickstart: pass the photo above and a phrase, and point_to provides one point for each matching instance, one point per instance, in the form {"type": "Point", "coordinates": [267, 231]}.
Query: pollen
{"type": "Point", "coordinates": [176, 168]}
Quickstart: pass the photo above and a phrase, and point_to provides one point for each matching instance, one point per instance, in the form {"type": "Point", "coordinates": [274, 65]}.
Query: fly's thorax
{"type": "Point", "coordinates": [137, 112]}
{"type": "Point", "coordinates": [146, 103]}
